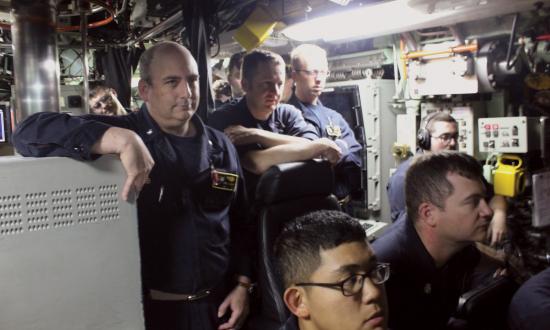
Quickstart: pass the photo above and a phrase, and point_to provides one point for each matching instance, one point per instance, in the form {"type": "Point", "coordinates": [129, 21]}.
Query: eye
{"type": "Point", "coordinates": [172, 82]}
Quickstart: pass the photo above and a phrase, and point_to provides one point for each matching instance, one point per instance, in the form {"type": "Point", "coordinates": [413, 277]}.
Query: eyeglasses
{"type": "Point", "coordinates": [446, 137]}
{"type": "Point", "coordinates": [316, 73]}
{"type": "Point", "coordinates": [354, 284]}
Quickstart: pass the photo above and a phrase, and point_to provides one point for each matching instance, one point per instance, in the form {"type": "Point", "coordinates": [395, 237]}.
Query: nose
{"type": "Point", "coordinates": [276, 89]}
{"type": "Point", "coordinates": [184, 89]}
{"type": "Point", "coordinates": [453, 142]}
{"type": "Point", "coordinates": [371, 292]}
{"type": "Point", "coordinates": [485, 209]}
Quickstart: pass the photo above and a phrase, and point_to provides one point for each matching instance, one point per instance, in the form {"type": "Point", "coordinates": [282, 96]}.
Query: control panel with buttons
{"type": "Point", "coordinates": [508, 134]}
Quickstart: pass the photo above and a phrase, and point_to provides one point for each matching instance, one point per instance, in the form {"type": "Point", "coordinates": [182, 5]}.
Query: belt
{"type": "Point", "coordinates": [169, 296]}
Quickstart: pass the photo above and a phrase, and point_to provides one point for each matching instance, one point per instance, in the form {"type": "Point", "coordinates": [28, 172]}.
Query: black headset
{"type": "Point", "coordinates": [423, 136]}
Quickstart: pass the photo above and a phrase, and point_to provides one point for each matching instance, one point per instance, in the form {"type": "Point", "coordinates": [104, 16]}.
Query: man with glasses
{"type": "Point", "coordinates": [439, 131]}
{"type": "Point", "coordinates": [264, 131]}
{"type": "Point", "coordinates": [332, 278]}
{"type": "Point", "coordinates": [431, 247]}
{"type": "Point", "coordinates": [309, 72]}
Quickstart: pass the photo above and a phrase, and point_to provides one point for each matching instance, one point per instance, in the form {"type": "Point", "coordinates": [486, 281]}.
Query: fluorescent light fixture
{"type": "Point", "coordinates": [341, 2]}
{"type": "Point", "coordinates": [398, 16]}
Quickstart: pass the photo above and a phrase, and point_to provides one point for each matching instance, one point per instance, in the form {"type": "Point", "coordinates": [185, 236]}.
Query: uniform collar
{"type": "Point", "coordinates": [149, 130]}
{"type": "Point", "coordinates": [245, 111]}
{"type": "Point", "coordinates": [303, 105]}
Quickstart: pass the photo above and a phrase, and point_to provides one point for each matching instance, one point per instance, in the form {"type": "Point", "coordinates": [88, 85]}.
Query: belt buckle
{"type": "Point", "coordinates": [198, 295]}
{"type": "Point", "coordinates": [169, 296]}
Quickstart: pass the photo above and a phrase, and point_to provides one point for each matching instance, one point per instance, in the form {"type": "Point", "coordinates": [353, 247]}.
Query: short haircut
{"type": "Point", "coordinates": [147, 58]}
{"type": "Point", "coordinates": [235, 61]}
{"type": "Point", "coordinates": [306, 51]}
{"type": "Point", "coordinates": [426, 179]}
{"type": "Point", "coordinates": [288, 68]}
{"type": "Point", "coordinates": [96, 87]}
{"type": "Point", "coordinates": [298, 247]}
{"type": "Point", "coordinates": [253, 59]}
{"type": "Point", "coordinates": [429, 121]}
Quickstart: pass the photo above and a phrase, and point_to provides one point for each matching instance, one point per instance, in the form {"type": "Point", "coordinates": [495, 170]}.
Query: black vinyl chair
{"type": "Point", "coordinates": [283, 193]}
{"type": "Point", "coordinates": [485, 307]}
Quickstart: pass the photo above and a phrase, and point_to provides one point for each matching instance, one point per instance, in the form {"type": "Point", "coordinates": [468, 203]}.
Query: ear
{"type": "Point", "coordinates": [427, 213]}
{"type": "Point", "coordinates": [296, 302]}
{"type": "Point", "coordinates": [293, 75]}
{"type": "Point", "coordinates": [245, 85]}
{"type": "Point", "coordinates": [143, 89]}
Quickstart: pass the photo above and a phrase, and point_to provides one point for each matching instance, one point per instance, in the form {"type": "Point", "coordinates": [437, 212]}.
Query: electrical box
{"type": "Point", "coordinates": [510, 134]}
{"type": "Point", "coordinates": [68, 246]}
{"type": "Point", "coordinates": [70, 99]}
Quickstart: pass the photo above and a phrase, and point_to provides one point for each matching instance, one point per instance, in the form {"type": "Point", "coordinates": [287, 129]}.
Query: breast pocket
{"type": "Point", "coordinates": [215, 189]}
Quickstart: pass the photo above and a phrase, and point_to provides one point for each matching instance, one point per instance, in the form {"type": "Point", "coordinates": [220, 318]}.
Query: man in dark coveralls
{"type": "Point", "coordinates": [309, 72]}
{"type": "Point", "coordinates": [264, 131]}
{"type": "Point", "coordinates": [431, 247]}
{"type": "Point", "coordinates": [191, 194]}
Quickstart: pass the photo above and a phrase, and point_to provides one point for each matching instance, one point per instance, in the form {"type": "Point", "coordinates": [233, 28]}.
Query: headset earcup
{"type": "Point", "coordinates": [424, 139]}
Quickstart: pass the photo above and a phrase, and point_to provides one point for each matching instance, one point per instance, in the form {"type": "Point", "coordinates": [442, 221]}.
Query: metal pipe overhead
{"type": "Point", "coordinates": [35, 57]}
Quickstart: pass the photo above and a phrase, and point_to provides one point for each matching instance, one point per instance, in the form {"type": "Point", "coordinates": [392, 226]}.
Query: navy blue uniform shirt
{"type": "Point", "coordinates": [419, 294]}
{"type": "Point", "coordinates": [185, 226]}
{"type": "Point", "coordinates": [530, 306]}
{"type": "Point", "coordinates": [396, 190]}
{"type": "Point", "coordinates": [348, 170]}
{"type": "Point", "coordinates": [285, 119]}
{"type": "Point", "coordinates": [291, 323]}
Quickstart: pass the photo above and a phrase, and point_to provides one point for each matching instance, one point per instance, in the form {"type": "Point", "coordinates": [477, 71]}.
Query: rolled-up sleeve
{"type": "Point", "coordinates": [58, 134]}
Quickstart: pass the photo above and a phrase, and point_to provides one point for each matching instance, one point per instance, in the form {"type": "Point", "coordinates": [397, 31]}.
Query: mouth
{"type": "Point", "coordinates": [376, 320]}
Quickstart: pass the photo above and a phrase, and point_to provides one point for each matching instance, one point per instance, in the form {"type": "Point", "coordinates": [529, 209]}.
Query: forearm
{"type": "Point", "coordinates": [498, 204]}
{"type": "Point", "coordinates": [259, 161]}
{"type": "Point", "coordinates": [270, 139]}
{"type": "Point", "coordinates": [114, 141]}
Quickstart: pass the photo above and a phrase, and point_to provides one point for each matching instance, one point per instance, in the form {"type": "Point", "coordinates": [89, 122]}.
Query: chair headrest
{"type": "Point", "coordinates": [295, 180]}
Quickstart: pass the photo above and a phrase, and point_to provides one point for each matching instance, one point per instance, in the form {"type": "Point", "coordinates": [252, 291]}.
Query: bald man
{"type": "Point", "coordinates": [194, 275]}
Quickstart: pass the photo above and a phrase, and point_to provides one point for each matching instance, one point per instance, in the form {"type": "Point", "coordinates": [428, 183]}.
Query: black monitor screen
{"type": "Point", "coordinates": [346, 101]}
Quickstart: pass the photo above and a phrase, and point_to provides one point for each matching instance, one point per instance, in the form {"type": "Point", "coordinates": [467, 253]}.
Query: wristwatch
{"type": "Point", "coordinates": [248, 286]}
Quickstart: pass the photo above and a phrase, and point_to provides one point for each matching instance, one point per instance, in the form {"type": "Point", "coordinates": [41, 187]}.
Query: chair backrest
{"type": "Point", "coordinates": [484, 306]}
{"type": "Point", "coordinates": [283, 193]}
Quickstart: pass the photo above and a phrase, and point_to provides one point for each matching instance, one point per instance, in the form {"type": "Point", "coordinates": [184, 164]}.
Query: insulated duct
{"type": "Point", "coordinates": [35, 57]}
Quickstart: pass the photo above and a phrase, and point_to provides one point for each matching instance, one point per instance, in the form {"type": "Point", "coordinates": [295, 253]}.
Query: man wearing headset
{"type": "Point", "coordinates": [439, 131]}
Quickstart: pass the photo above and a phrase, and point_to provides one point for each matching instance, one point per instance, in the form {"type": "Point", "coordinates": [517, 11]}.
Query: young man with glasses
{"type": "Point", "coordinates": [431, 248]}
{"type": "Point", "coordinates": [439, 131]}
{"type": "Point", "coordinates": [309, 72]}
{"type": "Point", "coordinates": [331, 276]}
